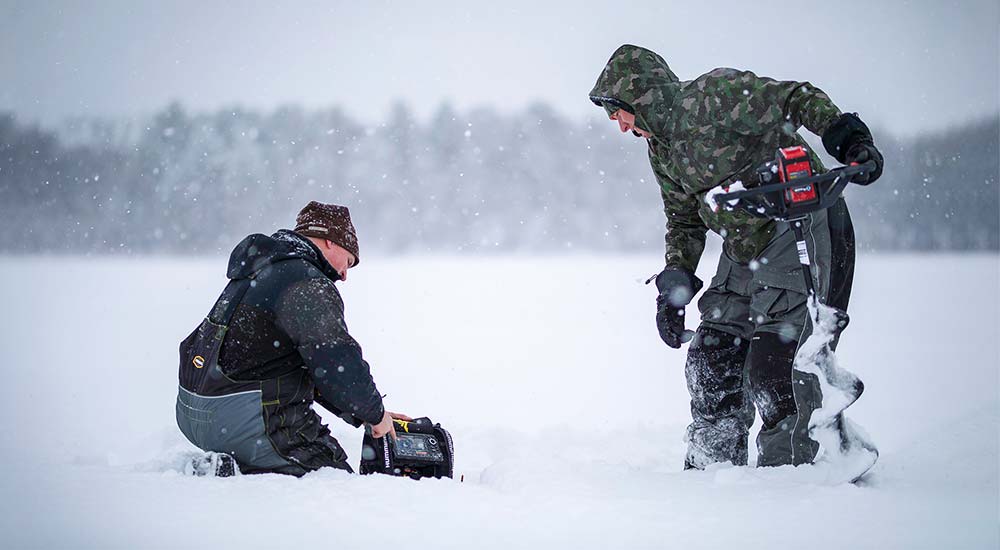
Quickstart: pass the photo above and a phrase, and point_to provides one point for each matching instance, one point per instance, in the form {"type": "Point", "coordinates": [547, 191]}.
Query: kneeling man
{"type": "Point", "coordinates": [274, 343]}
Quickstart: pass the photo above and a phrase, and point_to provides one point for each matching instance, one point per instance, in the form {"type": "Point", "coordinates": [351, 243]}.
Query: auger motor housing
{"type": "Point", "coordinates": [790, 164]}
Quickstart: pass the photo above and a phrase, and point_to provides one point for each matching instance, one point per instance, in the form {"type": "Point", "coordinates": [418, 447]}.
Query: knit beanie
{"type": "Point", "coordinates": [331, 222]}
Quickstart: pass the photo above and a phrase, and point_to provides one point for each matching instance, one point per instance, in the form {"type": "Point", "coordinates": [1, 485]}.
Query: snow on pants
{"type": "Point", "coordinates": [753, 318]}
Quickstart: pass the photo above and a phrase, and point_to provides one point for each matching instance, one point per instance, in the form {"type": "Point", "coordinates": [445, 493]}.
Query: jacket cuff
{"type": "Point", "coordinates": [671, 278]}
{"type": "Point", "coordinates": [381, 413]}
{"type": "Point", "coordinates": [843, 133]}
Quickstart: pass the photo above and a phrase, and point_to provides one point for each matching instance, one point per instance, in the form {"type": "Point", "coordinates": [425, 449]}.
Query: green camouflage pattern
{"type": "Point", "coordinates": [706, 132]}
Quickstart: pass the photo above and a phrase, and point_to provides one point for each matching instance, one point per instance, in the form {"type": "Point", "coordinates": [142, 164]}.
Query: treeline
{"type": "Point", "coordinates": [459, 182]}
{"type": "Point", "coordinates": [939, 192]}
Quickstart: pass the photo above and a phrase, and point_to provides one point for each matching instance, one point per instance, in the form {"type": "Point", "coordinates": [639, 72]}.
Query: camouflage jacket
{"type": "Point", "coordinates": [710, 131]}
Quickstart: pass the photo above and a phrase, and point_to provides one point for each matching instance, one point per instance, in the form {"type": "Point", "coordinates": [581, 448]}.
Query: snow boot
{"type": "Point", "coordinates": [212, 464]}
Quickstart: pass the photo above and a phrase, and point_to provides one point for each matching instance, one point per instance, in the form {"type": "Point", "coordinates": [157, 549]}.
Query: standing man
{"type": "Point", "coordinates": [274, 343]}
{"type": "Point", "coordinates": [716, 130]}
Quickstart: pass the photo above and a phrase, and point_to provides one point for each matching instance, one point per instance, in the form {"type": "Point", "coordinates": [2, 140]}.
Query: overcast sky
{"type": "Point", "coordinates": [905, 66]}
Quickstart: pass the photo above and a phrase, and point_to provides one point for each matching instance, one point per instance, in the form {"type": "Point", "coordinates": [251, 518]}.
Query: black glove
{"type": "Point", "coordinates": [848, 140]}
{"type": "Point", "coordinates": [677, 287]}
{"type": "Point", "coordinates": [861, 153]}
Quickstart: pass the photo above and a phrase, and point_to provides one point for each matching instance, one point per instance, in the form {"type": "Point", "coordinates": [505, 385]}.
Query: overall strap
{"type": "Point", "coordinates": [200, 373]}
{"type": "Point", "coordinates": [225, 307]}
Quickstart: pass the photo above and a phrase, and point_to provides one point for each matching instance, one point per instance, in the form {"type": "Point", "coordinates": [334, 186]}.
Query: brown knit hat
{"type": "Point", "coordinates": [331, 222]}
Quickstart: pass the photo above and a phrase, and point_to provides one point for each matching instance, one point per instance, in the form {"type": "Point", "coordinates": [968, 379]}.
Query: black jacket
{"type": "Point", "coordinates": [288, 332]}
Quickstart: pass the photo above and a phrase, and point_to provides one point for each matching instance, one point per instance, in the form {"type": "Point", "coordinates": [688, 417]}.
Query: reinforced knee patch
{"type": "Point", "coordinates": [770, 372]}
{"type": "Point", "coordinates": [721, 413]}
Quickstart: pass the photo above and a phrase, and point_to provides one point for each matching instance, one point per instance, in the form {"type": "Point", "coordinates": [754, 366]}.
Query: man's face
{"type": "Point", "coordinates": [340, 259]}
{"type": "Point", "coordinates": [626, 122]}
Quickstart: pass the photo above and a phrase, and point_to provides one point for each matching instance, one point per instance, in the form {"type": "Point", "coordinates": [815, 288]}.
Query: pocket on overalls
{"type": "Point", "coordinates": [714, 302]}
{"type": "Point", "coordinates": [193, 421]}
{"type": "Point", "coordinates": [779, 310]}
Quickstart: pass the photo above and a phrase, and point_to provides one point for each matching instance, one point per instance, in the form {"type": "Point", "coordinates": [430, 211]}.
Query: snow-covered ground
{"type": "Point", "coordinates": [567, 413]}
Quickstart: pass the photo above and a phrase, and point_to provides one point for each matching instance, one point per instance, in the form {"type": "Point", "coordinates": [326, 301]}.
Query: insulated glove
{"type": "Point", "coordinates": [677, 287]}
{"type": "Point", "coordinates": [848, 140]}
{"type": "Point", "coordinates": [861, 153]}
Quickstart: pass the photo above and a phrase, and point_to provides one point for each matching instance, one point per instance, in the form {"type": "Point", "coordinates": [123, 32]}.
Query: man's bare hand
{"type": "Point", "coordinates": [385, 425]}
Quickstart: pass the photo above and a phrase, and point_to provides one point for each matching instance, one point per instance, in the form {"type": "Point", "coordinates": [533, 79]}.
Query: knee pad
{"type": "Point", "coordinates": [719, 352]}
{"type": "Point", "coordinates": [714, 371]}
{"type": "Point", "coordinates": [771, 357]}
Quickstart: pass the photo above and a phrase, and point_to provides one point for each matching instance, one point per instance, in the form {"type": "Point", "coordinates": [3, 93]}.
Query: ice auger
{"type": "Point", "coordinates": [790, 191]}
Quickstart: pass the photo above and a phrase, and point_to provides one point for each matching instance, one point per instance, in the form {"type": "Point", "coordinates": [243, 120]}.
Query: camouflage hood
{"type": "Point", "coordinates": [710, 131]}
{"type": "Point", "coordinates": [641, 81]}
